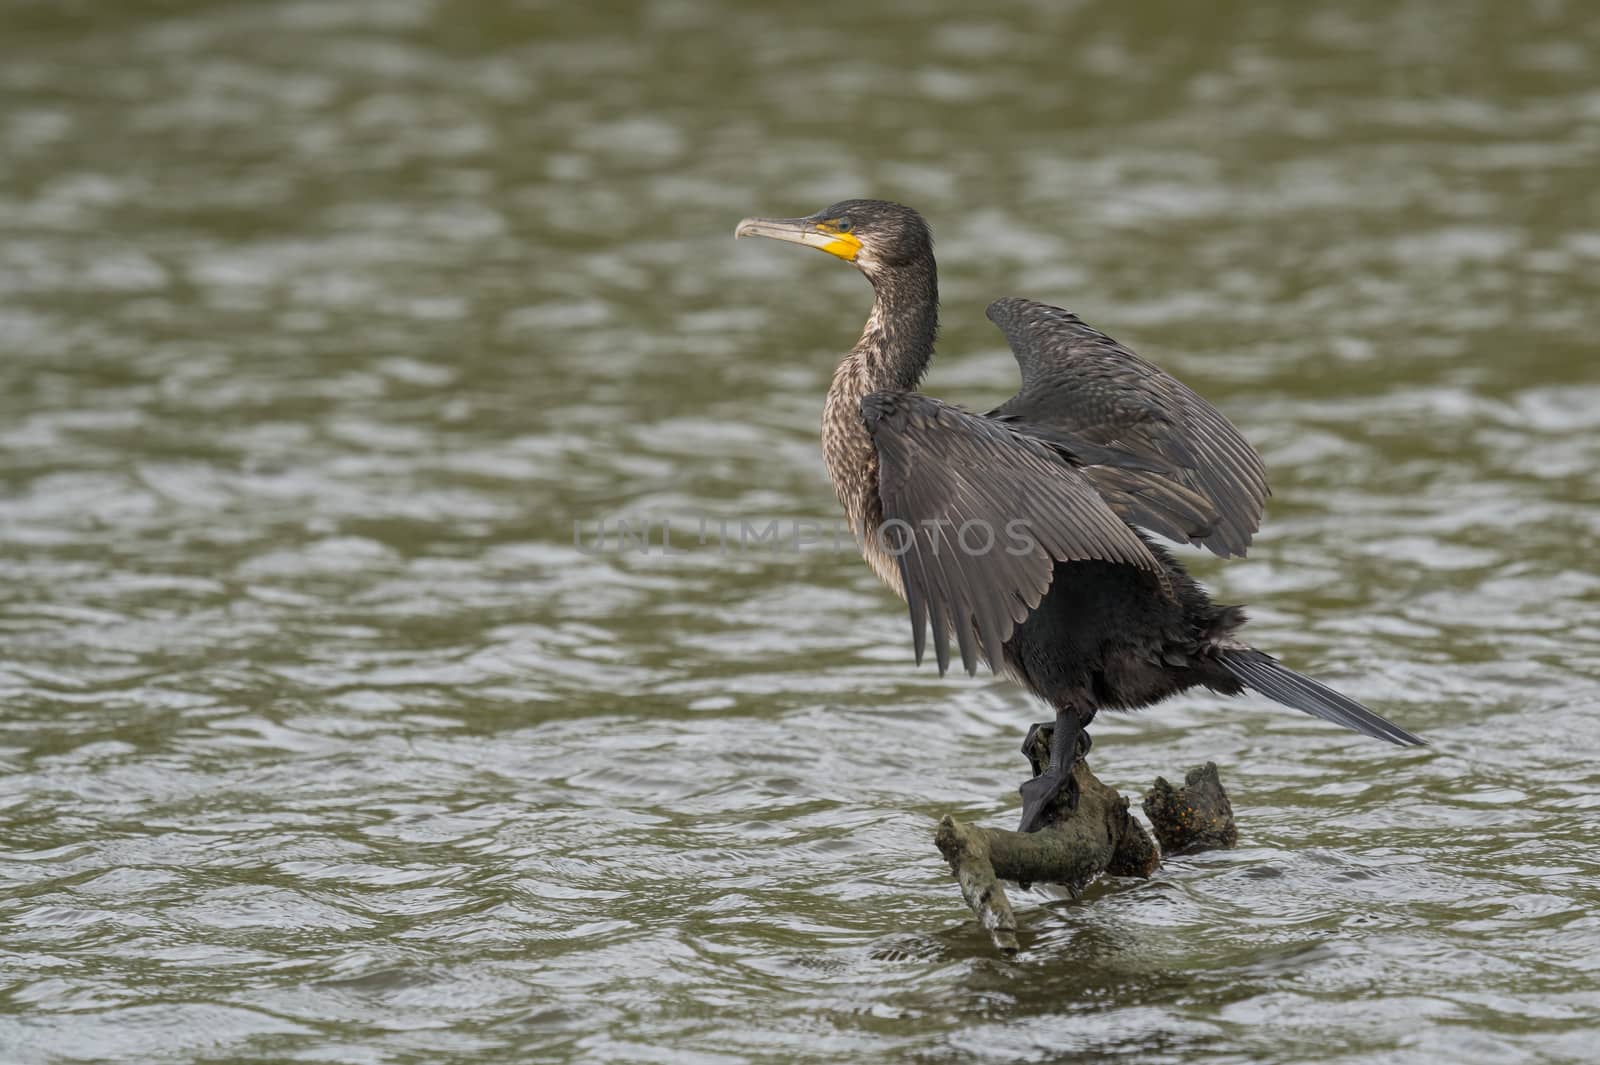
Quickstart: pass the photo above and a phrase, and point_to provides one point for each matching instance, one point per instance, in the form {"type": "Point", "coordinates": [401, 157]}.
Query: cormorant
{"type": "Point", "coordinates": [1021, 531]}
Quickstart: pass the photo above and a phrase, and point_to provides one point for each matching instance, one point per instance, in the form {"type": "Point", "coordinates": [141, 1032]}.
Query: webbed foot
{"type": "Point", "coordinates": [1068, 743]}
{"type": "Point", "coordinates": [1030, 751]}
{"type": "Point", "coordinates": [1030, 739]}
{"type": "Point", "coordinates": [1040, 794]}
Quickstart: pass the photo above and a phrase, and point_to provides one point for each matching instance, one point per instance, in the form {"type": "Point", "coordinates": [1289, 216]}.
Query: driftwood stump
{"type": "Point", "coordinates": [1099, 837]}
{"type": "Point", "coordinates": [1195, 817]}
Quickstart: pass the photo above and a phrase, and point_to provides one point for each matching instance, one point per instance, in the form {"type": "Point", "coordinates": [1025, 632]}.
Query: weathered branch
{"type": "Point", "coordinates": [966, 848]}
{"type": "Point", "coordinates": [1075, 846]}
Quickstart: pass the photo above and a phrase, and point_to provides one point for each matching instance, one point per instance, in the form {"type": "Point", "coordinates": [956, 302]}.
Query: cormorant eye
{"type": "Point", "coordinates": [842, 225]}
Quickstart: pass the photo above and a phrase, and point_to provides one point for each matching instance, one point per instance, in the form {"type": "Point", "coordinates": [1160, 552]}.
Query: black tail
{"type": "Point", "coordinates": [1265, 674]}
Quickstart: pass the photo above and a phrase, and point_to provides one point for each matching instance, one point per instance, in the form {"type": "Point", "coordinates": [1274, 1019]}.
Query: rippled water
{"type": "Point", "coordinates": [321, 324]}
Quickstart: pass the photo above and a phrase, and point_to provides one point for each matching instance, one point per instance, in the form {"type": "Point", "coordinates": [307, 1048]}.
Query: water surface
{"type": "Point", "coordinates": [321, 324]}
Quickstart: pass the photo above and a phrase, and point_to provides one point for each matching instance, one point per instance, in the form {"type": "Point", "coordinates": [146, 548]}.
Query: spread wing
{"type": "Point", "coordinates": [977, 514]}
{"type": "Point", "coordinates": [1162, 457]}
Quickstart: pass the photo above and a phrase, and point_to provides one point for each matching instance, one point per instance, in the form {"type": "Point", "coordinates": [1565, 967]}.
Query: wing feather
{"type": "Point", "coordinates": [1163, 457]}
{"type": "Point", "coordinates": [954, 487]}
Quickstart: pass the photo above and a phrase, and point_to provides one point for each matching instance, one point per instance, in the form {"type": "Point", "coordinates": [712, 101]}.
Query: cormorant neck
{"type": "Point", "coordinates": [897, 342]}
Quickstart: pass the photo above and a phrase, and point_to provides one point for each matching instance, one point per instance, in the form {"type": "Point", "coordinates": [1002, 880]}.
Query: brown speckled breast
{"type": "Point", "coordinates": [852, 462]}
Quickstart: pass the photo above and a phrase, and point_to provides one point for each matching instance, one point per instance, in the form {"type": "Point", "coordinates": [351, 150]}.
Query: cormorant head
{"type": "Point", "coordinates": [876, 235]}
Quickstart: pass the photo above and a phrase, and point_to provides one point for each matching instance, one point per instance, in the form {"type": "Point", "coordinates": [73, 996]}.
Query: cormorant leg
{"type": "Point", "coordinates": [1027, 744]}
{"type": "Point", "coordinates": [1038, 793]}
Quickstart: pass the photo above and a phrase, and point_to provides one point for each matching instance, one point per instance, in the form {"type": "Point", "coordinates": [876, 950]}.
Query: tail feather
{"type": "Point", "coordinates": [1265, 674]}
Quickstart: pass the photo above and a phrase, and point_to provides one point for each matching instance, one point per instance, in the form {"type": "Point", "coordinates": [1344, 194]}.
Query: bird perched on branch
{"type": "Point", "coordinates": [1021, 533]}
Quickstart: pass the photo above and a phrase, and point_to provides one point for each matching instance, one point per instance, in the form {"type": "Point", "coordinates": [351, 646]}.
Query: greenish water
{"type": "Point", "coordinates": [322, 322]}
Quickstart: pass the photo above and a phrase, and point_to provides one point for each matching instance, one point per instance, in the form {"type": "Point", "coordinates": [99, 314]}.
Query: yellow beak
{"type": "Point", "coordinates": [806, 231]}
